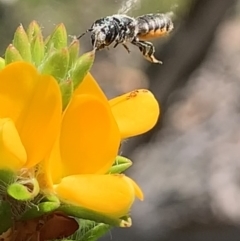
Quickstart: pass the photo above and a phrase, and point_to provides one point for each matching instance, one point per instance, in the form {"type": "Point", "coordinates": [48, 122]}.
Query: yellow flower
{"type": "Point", "coordinates": [30, 115]}
{"type": "Point", "coordinates": [91, 132]}
{"type": "Point", "coordinates": [74, 149]}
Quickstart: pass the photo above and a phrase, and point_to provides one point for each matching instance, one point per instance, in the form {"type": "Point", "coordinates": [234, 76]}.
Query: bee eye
{"type": "Point", "coordinates": [93, 39]}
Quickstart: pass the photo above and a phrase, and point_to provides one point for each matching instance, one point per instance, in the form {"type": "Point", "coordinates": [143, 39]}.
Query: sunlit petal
{"type": "Point", "coordinates": [135, 112]}
{"type": "Point", "coordinates": [112, 195]}
{"type": "Point", "coordinates": [12, 152]}
{"type": "Point", "coordinates": [33, 102]}
{"type": "Point", "coordinates": [90, 138]}
{"type": "Point", "coordinates": [90, 86]}
{"type": "Point", "coordinates": [137, 190]}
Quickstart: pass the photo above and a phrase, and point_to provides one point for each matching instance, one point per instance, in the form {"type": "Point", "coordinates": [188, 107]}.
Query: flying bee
{"type": "Point", "coordinates": [122, 29]}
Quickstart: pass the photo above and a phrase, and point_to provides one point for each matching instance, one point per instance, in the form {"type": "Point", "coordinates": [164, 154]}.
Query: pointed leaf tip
{"type": "Point", "coordinates": [12, 55]}
{"type": "Point", "coordinates": [58, 39]}
{"type": "Point", "coordinates": [33, 30]}
{"type": "Point", "coordinates": [73, 52]}
{"type": "Point", "coordinates": [82, 67]}
{"type": "Point", "coordinates": [21, 43]}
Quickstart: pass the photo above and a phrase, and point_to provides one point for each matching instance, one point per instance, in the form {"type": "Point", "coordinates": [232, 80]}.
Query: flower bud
{"type": "Point", "coordinates": [21, 43]}
{"type": "Point", "coordinates": [121, 164]}
{"type": "Point", "coordinates": [56, 64]}
{"type": "Point", "coordinates": [73, 52]}
{"type": "Point", "coordinates": [33, 31]}
{"type": "Point", "coordinates": [12, 55]}
{"type": "Point", "coordinates": [58, 39]}
{"type": "Point", "coordinates": [21, 191]}
{"type": "Point", "coordinates": [66, 88]}
{"type": "Point", "coordinates": [81, 68]}
{"type": "Point", "coordinates": [37, 49]}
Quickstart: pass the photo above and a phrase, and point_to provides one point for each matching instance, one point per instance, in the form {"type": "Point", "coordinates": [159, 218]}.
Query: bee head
{"type": "Point", "coordinates": [101, 33]}
{"type": "Point", "coordinates": [98, 38]}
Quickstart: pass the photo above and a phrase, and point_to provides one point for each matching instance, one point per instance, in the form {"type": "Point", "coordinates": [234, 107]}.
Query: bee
{"type": "Point", "coordinates": [122, 29]}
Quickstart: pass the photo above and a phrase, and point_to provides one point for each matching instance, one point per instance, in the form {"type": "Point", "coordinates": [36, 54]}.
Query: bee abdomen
{"type": "Point", "coordinates": [153, 26]}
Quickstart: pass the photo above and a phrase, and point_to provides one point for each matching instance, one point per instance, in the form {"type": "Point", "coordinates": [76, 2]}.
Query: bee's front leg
{"type": "Point", "coordinates": [124, 45]}
{"type": "Point", "coordinates": [147, 49]}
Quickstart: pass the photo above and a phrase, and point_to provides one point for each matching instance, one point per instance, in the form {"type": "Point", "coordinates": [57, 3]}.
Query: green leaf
{"type": "Point", "coordinates": [90, 230]}
{"type": "Point", "coordinates": [21, 43]}
{"type": "Point", "coordinates": [33, 30]}
{"type": "Point", "coordinates": [66, 88]}
{"type": "Point", "coordinates": [56, 64]}
{"type": "Point", "coordinates": [58, 39]}
{"type": "Point", "coordinates": [40, 209]}
{"type": "Point", "coordinates": [73, 52]}
{"type": "Point", "coordinates": [12, 55]}
{"type": "Point", "coordinates": [121, 164]}
{"type": "Point", "coordinates": [37, 49]}
{"type": "Point", "coordinates": [122, 160]}
{"type": "Point", "coordinates": [51, 198]}
{"type": "Point", "coordinates": [119, 168]}
{"type": "Point", "coordinates": [83, 213]}
{"type": "Point", "coordinates": [81, 68]}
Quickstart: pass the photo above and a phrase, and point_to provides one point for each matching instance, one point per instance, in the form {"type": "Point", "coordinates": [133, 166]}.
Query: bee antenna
{"type": "Point", "coordinates": [89, 30]}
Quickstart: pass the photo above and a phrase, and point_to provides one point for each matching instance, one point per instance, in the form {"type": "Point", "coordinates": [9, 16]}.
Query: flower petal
{"type": "Point", "coordinates": [135, 112]}
{"type": "Point", "coordinates": [50, 170]}
{"type": "Point", "coordinates": [90, 138]}
{"type": "Point", "coordinates": [12, 153]}
{"type": "Point", "coordinates": [33, 102]}
{"type": "Point", "coordinates": [90, 86]}
{"type": "Point", "coordinates": [55, 167]}
{"type": "Point", "coordinates": [112, 195]}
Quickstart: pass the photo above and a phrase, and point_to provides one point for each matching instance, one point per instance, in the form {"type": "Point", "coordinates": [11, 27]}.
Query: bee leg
{"type": "Point", "coordinates": [126, 47]}
{"type": "Point", "coordinates": [116, 44]}
{"type": "Point", "coordinates": [147, 49]}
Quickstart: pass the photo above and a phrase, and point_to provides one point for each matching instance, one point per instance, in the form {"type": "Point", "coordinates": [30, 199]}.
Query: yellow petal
{"type": "Point", "coordinates": [135, 112]}
{"type": "Point", "coordinates": [33, 102]}
{"type": "Point", "coordinates": [12, 152]}
{"type": "Point", "coordinates": [137, 190]}
{"type": "Point", "coordinates": [55, 167]}
{"type": "Point", "coordinates": [112, 195]}
{"type": "Point", "coordinates": [90, 86]}
{"type": "Point", "coordinates": [90, 138]}
{"type": "Point", "coordinates": [50, 170]}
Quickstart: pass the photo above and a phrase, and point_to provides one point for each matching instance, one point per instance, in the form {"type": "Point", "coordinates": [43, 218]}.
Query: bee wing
{"type": "Point", "coordinates": [128, 5]}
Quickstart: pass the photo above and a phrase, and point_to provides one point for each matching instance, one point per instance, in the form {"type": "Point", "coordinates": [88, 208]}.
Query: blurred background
{"type": "Point", "coordinates": [189, 165]}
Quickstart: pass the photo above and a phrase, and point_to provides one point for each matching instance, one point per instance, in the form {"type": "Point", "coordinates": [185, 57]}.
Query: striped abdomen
{"type": "Point", "coordinates": [153, 26]}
